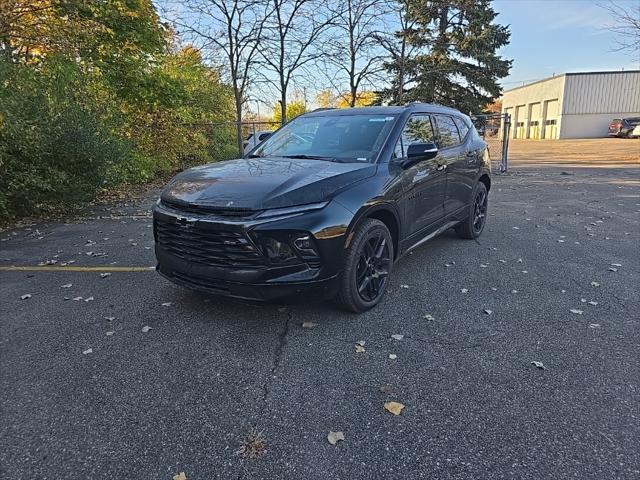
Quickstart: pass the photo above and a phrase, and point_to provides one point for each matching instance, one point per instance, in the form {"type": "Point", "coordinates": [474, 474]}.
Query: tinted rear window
{"type": "Point", "coordinates": [448, 135]}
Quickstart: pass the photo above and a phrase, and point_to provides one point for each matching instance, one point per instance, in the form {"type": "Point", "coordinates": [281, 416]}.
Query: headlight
{"type": "Point", "coordinates": [277, 212]}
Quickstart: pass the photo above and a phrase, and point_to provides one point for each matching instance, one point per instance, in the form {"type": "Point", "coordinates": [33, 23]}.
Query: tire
{"type": "Point", "coordinates": [351, 295]}
{"type": "Point", "coordinates": [472, 227]}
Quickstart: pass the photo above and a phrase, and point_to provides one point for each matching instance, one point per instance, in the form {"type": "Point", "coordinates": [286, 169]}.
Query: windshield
{"type": "Point", "coordinates": [346, 138]}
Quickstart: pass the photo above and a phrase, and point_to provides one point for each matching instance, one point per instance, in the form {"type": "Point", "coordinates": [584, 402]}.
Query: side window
{"type": "Point", "coordinates": [448, 135]}
{"type": "Point", "coordinates": [463, 128]}
{"type": "Point", "coordinates": [418, 129]}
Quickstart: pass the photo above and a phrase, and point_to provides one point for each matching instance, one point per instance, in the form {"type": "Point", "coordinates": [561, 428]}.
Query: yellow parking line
{"type": "Point", "coordinates": [52, 268]}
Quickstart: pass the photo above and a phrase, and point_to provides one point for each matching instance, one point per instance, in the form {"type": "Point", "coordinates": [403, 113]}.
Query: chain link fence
{"type": "Point", "coordinates": [495, 130]}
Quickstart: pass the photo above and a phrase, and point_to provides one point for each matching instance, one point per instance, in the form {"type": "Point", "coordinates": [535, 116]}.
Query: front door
{"type": "Point", "coordinates": [423, 182]}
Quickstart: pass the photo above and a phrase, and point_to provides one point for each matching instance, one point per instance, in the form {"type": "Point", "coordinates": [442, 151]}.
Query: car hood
{"type": "Point", "coordinates": [263, 183]}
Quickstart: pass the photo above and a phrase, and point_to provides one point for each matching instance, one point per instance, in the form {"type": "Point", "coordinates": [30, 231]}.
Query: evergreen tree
{"type": "Point", "coordinates": [456, 61]}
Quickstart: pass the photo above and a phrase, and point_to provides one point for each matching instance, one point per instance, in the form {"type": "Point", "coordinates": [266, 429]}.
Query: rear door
{"type": "Point", "coordinates": [454, 160]}
{"type": "Point", "coordinates": [424, 182]}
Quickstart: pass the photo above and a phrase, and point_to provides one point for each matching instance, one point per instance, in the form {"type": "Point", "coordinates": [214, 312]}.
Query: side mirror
{"type": "Point", "coordinates": [418, 152]}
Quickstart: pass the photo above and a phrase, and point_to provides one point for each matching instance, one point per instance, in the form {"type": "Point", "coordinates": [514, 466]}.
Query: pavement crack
{"type": "Point", "coordinates": [277, 357]}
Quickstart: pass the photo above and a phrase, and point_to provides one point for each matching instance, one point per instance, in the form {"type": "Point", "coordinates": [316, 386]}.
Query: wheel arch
{"type": "Point", "coordinates": [484, 178]}
{"type": "Point", "coordinates": [385, 213]}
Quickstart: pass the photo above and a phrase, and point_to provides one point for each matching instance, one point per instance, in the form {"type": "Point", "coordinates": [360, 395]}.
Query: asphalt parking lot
{"type": "Point", "coordinates": [88, 392]}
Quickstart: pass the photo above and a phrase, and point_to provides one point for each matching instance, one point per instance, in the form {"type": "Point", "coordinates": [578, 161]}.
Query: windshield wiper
{"type": "Point", "coordinates": [311, 157]}
{"type": "Point", "coordinates": [253, 155]}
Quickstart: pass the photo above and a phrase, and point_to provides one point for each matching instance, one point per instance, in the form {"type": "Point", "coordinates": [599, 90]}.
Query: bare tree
{"type": "Point", "coordinates": [399, 50]}
{"type": "Point", "coordinates": [355, 46]}
{"type": "Point", "coordinates": [625, 25]}
{"type": "Point", "coordinates": [230, 31]}
{"type": "Point", "coordinates": [293, 34]}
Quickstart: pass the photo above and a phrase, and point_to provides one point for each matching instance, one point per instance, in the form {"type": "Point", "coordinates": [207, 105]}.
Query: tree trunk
{"type": "Point", "coordinates": [238, 121]}
{"type": "Point", "coordinates": [283, 104]}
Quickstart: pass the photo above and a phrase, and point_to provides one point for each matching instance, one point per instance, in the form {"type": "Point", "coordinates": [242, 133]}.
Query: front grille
{"type": "Point", "coordinates": [209, 210]}
{"type": "Point", "coordinates": [217, 248]}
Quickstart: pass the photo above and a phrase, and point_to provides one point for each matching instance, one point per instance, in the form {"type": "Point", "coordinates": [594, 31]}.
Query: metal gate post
{"type": "Point", "coordinates": [506, 128]}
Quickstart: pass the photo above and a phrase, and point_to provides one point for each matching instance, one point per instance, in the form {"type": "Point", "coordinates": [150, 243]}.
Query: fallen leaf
{"type": "Point", "coordinates": [25, 296]}
{"type": "Point", "coordinates": [576, 311]}
{"type": "Point", "coordinates": [397, 336]}
{"type": "Point", "coordinates": [393, 356]}
{"type": "Point", "coordinates": [110, 319]}
{"type": "Point", "coordinates": [87, 351]}
{"type": "Point", "coordinates": [361, 343]}
{"type": "Point", "coordinates": [66, 285]}
{"type": "Point", "coordinates": [616, 264]}
{"type": "Point", "coordinates": [104, 275]}
{"type": "Point", "coordinates": [593, 303]}
{"type": "Point", "coordinates": [180, 476]}
{"type": "Point", "coordinates": [514, 291]}
{"type": "Point", "coordinates": [166, 304]}
{"type": "Point", "coordinates": [594, 325]}
{"type": "Point", "coordinates": [595, 284]}
{"type": "Point", "coordinates": [335, 437]}
{"type": "Point", "coordinates": [612, 269]}
{"type": "Point", "coordinates": [393, 407]}
{"type": "Point", "coordinates": [146, 328]}
{"type": "Point", "coordinates": [76, 299]}
{"type": "Point", "coordinates": [360, 349]}
{"type": "Point", "coordinates": [583, 300]}
{"type": "Point", "coordinates": [109, 333]}
{"type": "Point", "coordinates": [464, 290]}
{"type": "Point", "coordinates": [483, 265]}
{"type": "Point", "coordinates": [88, 299]}
{"type": "Point", "coordinates": [404, 286]}
{"type": "Point", "coordinates": [429, 317]}
{"type": "Point", "coordinates": [487, 311]}
{"type": "Point", "coordinates": [308, 324]}
{"type": "Point", "coordinates": [539, 365]}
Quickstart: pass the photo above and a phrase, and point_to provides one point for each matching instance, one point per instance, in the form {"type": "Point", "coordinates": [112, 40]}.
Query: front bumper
{"type": "Point", "coordinates": [262, 281]}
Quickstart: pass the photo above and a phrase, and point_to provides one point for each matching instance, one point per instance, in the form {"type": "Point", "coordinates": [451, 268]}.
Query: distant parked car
{"type": "Point", "coordinates": [255, 139]}
{"type": "Point", "coordinates": [623, 127]}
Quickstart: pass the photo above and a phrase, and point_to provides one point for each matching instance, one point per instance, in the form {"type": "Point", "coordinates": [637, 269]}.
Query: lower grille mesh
{"type": "Point", "coordinates": [220, 248]}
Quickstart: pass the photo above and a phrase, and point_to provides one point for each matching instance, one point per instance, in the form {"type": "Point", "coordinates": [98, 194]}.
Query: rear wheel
{"type": "Point", "coordinates": [368, 264]}
{"type": "Point", "coordinates": [473, 226]}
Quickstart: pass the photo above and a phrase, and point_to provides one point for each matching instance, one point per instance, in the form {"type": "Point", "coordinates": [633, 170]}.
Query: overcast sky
{"type": "Point", "coordinates": [559, 36]}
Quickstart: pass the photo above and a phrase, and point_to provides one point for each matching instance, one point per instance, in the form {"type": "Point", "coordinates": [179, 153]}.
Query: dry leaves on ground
{"type": "Point", "coordinates": [394, 407]}
{"type": "Point", "coordinates": [254, 445]}
{"type": "Point", "coordinates": [335, 437]}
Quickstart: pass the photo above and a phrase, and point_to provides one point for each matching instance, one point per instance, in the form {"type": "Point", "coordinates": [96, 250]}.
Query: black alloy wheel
{"type": "Point", "coordinates": [373, 266]}
{"type": "Point", "coordinates": [480, 211]}
{"type": "Point", "coordinates": [474, 224]}
{"type": "Point", "coordinates": [368, 265]}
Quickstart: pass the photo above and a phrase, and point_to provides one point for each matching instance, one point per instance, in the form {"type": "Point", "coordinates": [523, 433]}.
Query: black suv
{"type": "Point", "coordinates": [325, 206]}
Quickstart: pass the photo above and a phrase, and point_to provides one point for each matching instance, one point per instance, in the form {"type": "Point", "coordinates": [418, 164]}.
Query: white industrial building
{"type": "Point", "coordinates": [572, 105]}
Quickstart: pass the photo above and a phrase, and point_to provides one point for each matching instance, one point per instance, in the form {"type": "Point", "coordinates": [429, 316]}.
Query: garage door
{"type": "Point", "coordinates": [551, 120]}
{"type": "Point", "coordinates": [520, 122]}
{"type": "Point", "coordinates": [535, 121]}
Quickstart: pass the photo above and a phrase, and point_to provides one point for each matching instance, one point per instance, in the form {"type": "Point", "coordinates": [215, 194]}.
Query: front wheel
{"type": "Point", "coordinates": [473, 226]}
{"type": "Point", "coordinates": [368, 264]}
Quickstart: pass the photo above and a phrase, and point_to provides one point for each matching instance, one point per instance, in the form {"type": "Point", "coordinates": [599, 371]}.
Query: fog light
{"type": "Point", "coordinates": [305, 246]}
{"type": "Point", "coordinates": [278, 251]}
